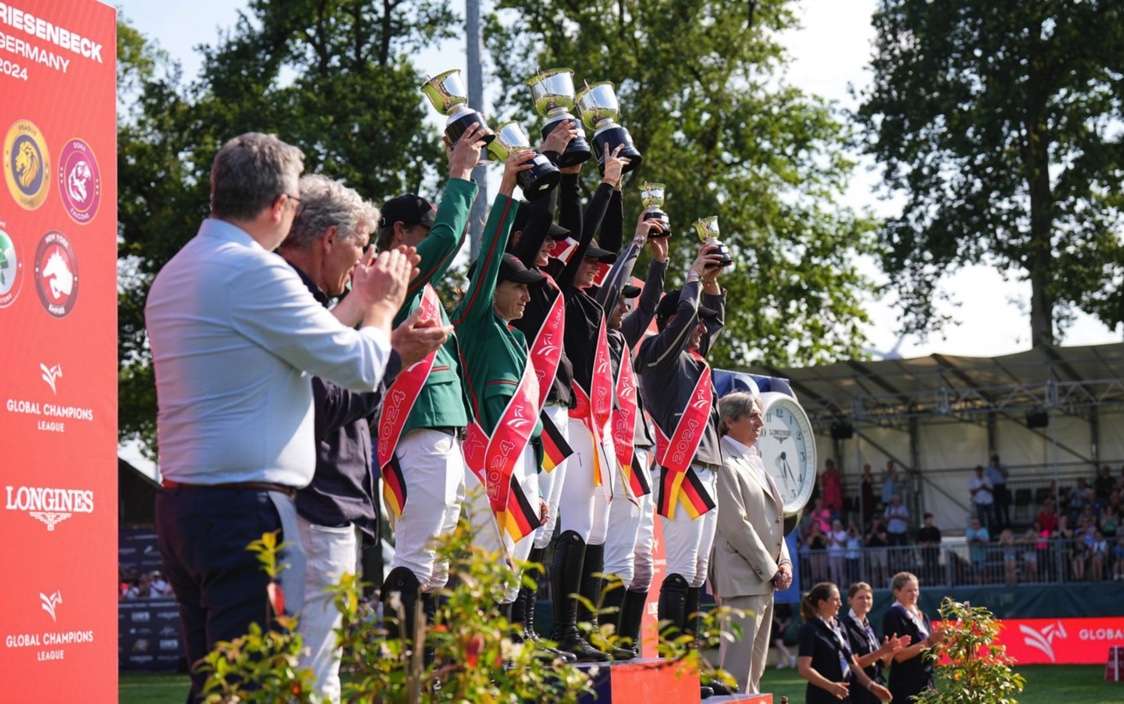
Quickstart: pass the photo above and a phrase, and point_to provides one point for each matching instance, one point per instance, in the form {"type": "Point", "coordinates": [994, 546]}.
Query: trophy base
{"type": "Point", "coordinates": [459, 126]}
{"type": "Point", "coordinates": [540, 179]}
{"type": "Point", "coordinates": [665, 222]}
{"type": "Point", "coordinates": [614, 137]}
{"type": "Point", "coordinates": [577, 151]}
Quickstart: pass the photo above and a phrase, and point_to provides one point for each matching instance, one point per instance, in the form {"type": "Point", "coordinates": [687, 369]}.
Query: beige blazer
{"type": "Point", "coordinates": [749, 546]}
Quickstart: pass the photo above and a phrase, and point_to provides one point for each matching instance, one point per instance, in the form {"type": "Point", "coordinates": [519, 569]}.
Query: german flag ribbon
{"type": "Point", "coordinates": [674, 454]}
{"type": "Point", "coordinates": [624, 429]}
{"type": "Point", "coordinates": [394, 488]}
{"type": "Point", "coordinates": [554, 445]}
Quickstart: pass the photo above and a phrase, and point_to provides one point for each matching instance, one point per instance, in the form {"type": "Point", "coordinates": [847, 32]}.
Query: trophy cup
{"type": "Point", "coordinates": [651, 195]}
{"type": "Point", "coordinates": [541, 177]}
{"type": "Point", "coordinates": [447, 93]}
{"type": "Point", "coordinates": [707, 230]}
{"type": "Point", "coordinates": [599, 109]}
{"type": "Point", "coordinates": [553, 93]}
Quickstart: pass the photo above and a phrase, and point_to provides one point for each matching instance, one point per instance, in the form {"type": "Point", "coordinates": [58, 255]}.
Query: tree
{"type": "Point", "coordinates": [332, 77]}
{"type": "Point", "coordinates": [702, 91]}
{"type": "Point", "coordinates": [1001, 124]}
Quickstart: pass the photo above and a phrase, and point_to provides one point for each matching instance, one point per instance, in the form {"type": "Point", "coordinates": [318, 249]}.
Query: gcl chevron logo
{"type": "Point", "coordinates": [1044, 640]}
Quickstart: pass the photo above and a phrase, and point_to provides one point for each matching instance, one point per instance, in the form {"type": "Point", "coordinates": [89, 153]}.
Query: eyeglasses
{"type": "Point", "coordinates": [290, 196]}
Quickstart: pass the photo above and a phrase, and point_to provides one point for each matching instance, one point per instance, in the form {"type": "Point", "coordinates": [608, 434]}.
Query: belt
{"type": "Point", "coordinates": [289, 491]}
{"type": "Point", "coordinates": [449, 430]}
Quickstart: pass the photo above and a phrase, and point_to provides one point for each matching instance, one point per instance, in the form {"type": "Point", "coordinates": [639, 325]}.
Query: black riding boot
{"type": "Point", "coordinates": [673, 603]}
{"type": "Point", "coordinates": [566, 580]}
{"type": "Point", "coordinates": [632, 613]}
{"type": "Point", "coordinates": [401, 581]}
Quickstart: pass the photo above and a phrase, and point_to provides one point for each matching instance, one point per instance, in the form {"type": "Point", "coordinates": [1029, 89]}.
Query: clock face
{"type": "Point", "coordinates": [788, 448]}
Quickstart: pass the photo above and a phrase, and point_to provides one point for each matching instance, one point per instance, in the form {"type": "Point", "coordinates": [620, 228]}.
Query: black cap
{"type": "Point", "coordinates": [630, 291]}
{"type": "Point", "coordinates": [409, 209]}
{"type": "Point", "coordinates": [603, 255]}
{"type": "Point", "coordinates": [554, 232]}
{"type": "Point", "coordinates": [511, 269]}
{"type": "Point", "coordinates": [669, 304]}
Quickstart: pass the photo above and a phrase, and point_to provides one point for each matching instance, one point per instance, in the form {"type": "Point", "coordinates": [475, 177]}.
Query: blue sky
{"type": "Point", "coordinates": [828, 54]}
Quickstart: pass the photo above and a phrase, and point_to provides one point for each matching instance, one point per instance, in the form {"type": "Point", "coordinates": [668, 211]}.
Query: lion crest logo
{"type": "Point", "coordinates": [26, 164]}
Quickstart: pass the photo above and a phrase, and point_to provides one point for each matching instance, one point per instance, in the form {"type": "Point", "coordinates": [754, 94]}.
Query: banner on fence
{"type": "Point", "coordinates": [1061, 641]}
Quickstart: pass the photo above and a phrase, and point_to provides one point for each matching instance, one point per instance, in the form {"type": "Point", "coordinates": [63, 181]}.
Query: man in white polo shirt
{"type": "Point", "coordinates": [236, 337]}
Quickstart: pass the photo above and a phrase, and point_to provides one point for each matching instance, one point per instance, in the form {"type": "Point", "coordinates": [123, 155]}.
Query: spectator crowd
{"type": "Point", "coordinates": [1066, 533]}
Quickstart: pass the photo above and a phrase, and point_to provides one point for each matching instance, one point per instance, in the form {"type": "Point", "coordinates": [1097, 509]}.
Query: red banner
{"type": "Point", "coordinates": [58, 323]}
{"type": "Point", "coordinates": [1061, 641]}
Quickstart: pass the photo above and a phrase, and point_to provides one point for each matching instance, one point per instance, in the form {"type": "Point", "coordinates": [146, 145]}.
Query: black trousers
{"type": "Point", "coordinates": [220, 586]}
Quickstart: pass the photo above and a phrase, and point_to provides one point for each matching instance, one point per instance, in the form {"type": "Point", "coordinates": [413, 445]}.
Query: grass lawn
{"type": "Point", "coordinates": [1078, 684]}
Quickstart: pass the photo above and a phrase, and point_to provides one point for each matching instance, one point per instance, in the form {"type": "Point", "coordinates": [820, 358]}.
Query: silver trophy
{"type": "Point", "coordinates": [651, 196]}
{"type": "Point", "coordinates": [553, 93]}
{"type": "Point", "coordinates": [707, 231]}
{"type": "Point", "coordinates": [541, 177]}
{"type": "Point", "coordinates": [599, 110]}
{"type": "Point", "coordinates": [449, 96]}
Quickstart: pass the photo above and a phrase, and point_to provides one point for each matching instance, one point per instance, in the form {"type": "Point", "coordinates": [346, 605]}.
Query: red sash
{"type": "Point", "coordinates": [398, 403]}
{"type": "Point", "coordinates": [493, 458]}
{"type": "Point", "coordinates": [674, 455]}
{"type": "Point", "coordinates": [595, 408]}
{"type": "Point", "coordinates": [546, 350]}
{"type": "Point", "coordinates": [624, 427]}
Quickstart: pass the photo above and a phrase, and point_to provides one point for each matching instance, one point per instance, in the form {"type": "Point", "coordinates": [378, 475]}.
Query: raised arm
{"type": "Point", "coordinates": [477, 301]}
{"type": "Point", "coordinates": [534, 232]}
{"type": "Point", "coordinates": [612, 226]}
{"type": "Point", "coordinates": [664, 347]}
{"type": "Point", "coordinates": [594, 214]}
{"type": "Point", "coordinates": [446, 236]}
{"type": "Point", "coordinates": [636, 322]}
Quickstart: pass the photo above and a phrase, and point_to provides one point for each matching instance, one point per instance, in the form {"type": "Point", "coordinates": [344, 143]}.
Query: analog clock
{"type": "Point", "coordinates": [788, 448]}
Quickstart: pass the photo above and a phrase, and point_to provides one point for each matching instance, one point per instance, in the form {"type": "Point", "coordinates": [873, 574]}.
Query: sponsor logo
{"type": "Point", "coordinates": [11, 269]}
{"type": "Point", "coordinates": [52, 416]}
{"type": "Point", "coordinates": [49, 602]}
{"type": "Point", "coordinates": [48, 505]}
{"type": "Point", "coordinates": [49, 645]}
{"type": "Point", "coordinates": [51, 375]}
{"type": "Point", "coordinates": [1043, 639]}
{"type": "Point", "coordinates": [27, 164]}
{"type": "Point", "coordinates": [56, 274]}
{"type": "Point", "coordinates": [79, 181]}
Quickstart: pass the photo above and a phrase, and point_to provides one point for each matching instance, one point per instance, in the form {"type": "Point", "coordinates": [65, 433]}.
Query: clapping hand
{"type": "Point", "coordinates": [381, 281]}
{"type": "Point", "coordinates": [416, 338]}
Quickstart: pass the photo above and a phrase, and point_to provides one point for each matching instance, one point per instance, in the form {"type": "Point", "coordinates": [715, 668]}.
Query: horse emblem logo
{"type": "Point", "coordinates": [56, 274]}
{"type": "Point", "coordinates": [26, 164]}
{"type": "Point", "coordinates": [79, 181]}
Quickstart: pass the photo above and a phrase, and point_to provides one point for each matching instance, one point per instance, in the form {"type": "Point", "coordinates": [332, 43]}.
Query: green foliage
{"type": "Point", "coordinates": [475, 654]}
{"type": "Point", "coordinates": [1000, 122]}
{"type": "Point", "coordinates": [703, 94]}
{"type": "Point", "coordinates": [332, 77]}
{"type": "Point", "coordinates": [972, 667]}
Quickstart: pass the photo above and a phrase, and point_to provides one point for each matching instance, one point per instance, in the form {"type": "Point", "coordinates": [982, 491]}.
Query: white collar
{"type": "Point", "coordinates": [740, 448]}
{"type": "Point", "coordinates": [853, 615]}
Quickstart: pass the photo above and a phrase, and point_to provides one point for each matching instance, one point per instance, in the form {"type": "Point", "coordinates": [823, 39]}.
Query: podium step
{"type": "Point", "coordinates": [643, 681]}
{"type": "Point", "coordinates": [741, 699]}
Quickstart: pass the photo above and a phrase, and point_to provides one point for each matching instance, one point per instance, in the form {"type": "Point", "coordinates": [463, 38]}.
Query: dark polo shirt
{"type": "Point", "coordinates": [343, 488]}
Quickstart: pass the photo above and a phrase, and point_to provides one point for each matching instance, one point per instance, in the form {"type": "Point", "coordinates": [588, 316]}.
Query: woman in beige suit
{"type": "Point", "coordinates": [750, 555]}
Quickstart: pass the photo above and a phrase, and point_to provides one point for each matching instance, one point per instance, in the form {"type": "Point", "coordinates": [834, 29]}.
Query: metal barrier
{"type": "Point", "coordinates": [968, 564]}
